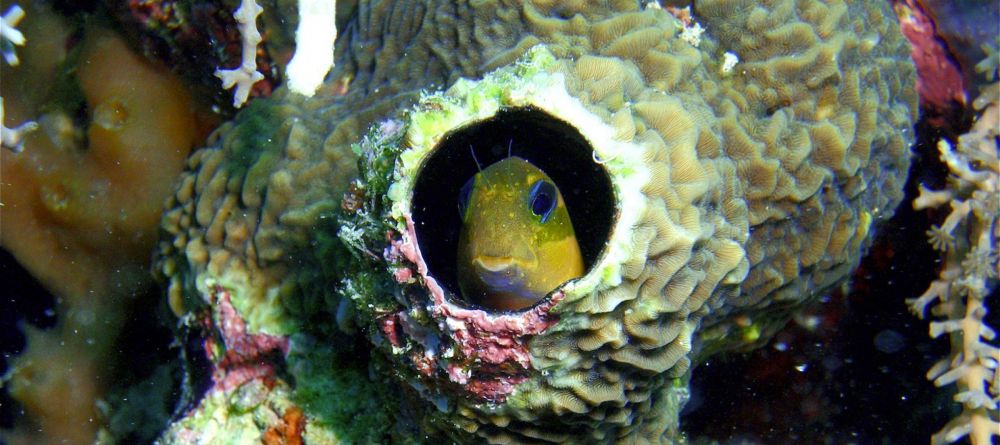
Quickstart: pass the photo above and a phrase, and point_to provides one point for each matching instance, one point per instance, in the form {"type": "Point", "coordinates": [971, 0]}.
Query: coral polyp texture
{"type": "Point", "coordinates": [709, 199]}
{"type": "Point", "coordinates": [967, 240]}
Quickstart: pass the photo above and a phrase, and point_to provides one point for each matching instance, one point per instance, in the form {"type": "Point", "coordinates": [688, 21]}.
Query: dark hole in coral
{"type": "Point", "coordinates": [547, 142]}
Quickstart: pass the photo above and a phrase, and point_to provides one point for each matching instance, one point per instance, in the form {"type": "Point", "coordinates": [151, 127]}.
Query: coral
{"type": "Point", "coordinates": [729, 61]}
{"type": "Point", "coordinates": [9, 35]}
{"type": "Point", "coordinates": [80, 207]}
{"type": "Point", "coordinates": [198, 39]}
{"type": "Point", "coordinates": [990, 65]}
{"type": "Point", "coordinates": [726, 201]}
{"type": "Point", "coordinates": [968, 278]}
{"type": "Point", "coordinates": [314, 40]}
{"type": "Point", "coordinates": [247, 391]}
{"type": "Point", "coordinates": [224, 417]}
{"type": "Point", "coordinates": [692, 34]}
{"type": "Point", "coordinates": [12, 138]}
{"type": "Point", "coordinates": [243, 385]}
{"type": "Point", "coordinates": [244, 76]}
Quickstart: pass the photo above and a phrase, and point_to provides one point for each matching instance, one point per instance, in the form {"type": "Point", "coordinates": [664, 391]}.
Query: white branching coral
{"type": "Point", "coordinates": [968, 242]}
{"type": "Point", "coordinates": [991, 63]}
{"type": "Point", "coordinates": [245, 75]}
{"type": "Point", "coordinates": [12, 138]}
{"type": "Point", "coordinates": [9, 35]}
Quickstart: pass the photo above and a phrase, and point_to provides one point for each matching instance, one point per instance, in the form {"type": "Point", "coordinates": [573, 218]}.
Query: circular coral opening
{"type": "Point", "coordinates": [548, 143]}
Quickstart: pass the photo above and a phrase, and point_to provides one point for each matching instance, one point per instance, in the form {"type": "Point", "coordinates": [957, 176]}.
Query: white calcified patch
{"type": "Point", "coordinates": [729, 61]}
{"type": "Point", "coordinates": [692, 34]}
{"type": "Point", "coordinates": [314, 44]}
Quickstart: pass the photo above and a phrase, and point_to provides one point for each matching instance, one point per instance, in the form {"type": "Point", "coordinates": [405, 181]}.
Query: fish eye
{"type": "Point", "coordinates": [542, 199]}
{"type": "Point", "coordinates": [463, 197]}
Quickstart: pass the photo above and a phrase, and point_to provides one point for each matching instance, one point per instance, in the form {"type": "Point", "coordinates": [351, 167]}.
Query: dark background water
{"type": "Point", "coordinates": [146, 342]}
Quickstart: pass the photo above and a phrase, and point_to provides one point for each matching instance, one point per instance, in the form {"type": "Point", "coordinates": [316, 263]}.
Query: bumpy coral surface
{"type": "Point", "coordinates": [80, 206]}
{"type": "Point", "coordinates": [734, 195]}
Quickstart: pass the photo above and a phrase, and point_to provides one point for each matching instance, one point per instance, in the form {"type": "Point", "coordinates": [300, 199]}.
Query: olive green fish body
{"type": "Point", "coordinates": [517, 242]}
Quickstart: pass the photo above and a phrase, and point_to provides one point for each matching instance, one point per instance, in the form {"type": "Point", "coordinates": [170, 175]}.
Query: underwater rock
{"type": "Point", "coordinates": [708, 204]}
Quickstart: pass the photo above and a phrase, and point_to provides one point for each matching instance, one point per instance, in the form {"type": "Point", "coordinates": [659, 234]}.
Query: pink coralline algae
{"type": "Point", "coordinates": [939, 78]}
{"type": "Point", "coordinates": [244, 356]}
{"type": "Point", "coordinates": [487, 353]}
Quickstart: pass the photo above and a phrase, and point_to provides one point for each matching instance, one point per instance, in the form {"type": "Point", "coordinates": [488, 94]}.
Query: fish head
{"type": "Point", "coordinates": [517, 241]}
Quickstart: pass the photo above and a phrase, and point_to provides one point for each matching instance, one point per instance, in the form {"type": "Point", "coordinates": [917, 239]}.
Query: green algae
{"type": "Point", "coordinates": [254, 143]}
{"type": "Point", "coordinates": [340, 395]}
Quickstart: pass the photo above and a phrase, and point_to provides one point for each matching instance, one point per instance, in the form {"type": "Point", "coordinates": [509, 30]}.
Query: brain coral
{"type": "Point", "coordinates": [710, 202]}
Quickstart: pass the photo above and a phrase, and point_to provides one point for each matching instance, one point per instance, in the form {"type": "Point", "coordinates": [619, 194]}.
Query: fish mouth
{"type": "Point", "coordinates": [496, 264]}
{"type": "Point", "coordinates": [502, 274]}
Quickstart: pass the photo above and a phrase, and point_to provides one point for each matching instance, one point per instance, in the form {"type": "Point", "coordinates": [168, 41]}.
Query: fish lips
{"type": "Point", "coordinates": [504, 275]}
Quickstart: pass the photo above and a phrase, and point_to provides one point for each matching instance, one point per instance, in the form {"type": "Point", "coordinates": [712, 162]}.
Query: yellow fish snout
{"type": "Point", "coordinates": [502, 274]}
{"type": "Point", "coordinates": [502, 283]}
{"type": "Point", "coordinates": [504, 264]}
{"type": "Point", "coordinates": [517, 242]}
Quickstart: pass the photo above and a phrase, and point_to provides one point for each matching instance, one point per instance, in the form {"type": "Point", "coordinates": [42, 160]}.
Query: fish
{"type": "Point", "coordinates": [517, 242]}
